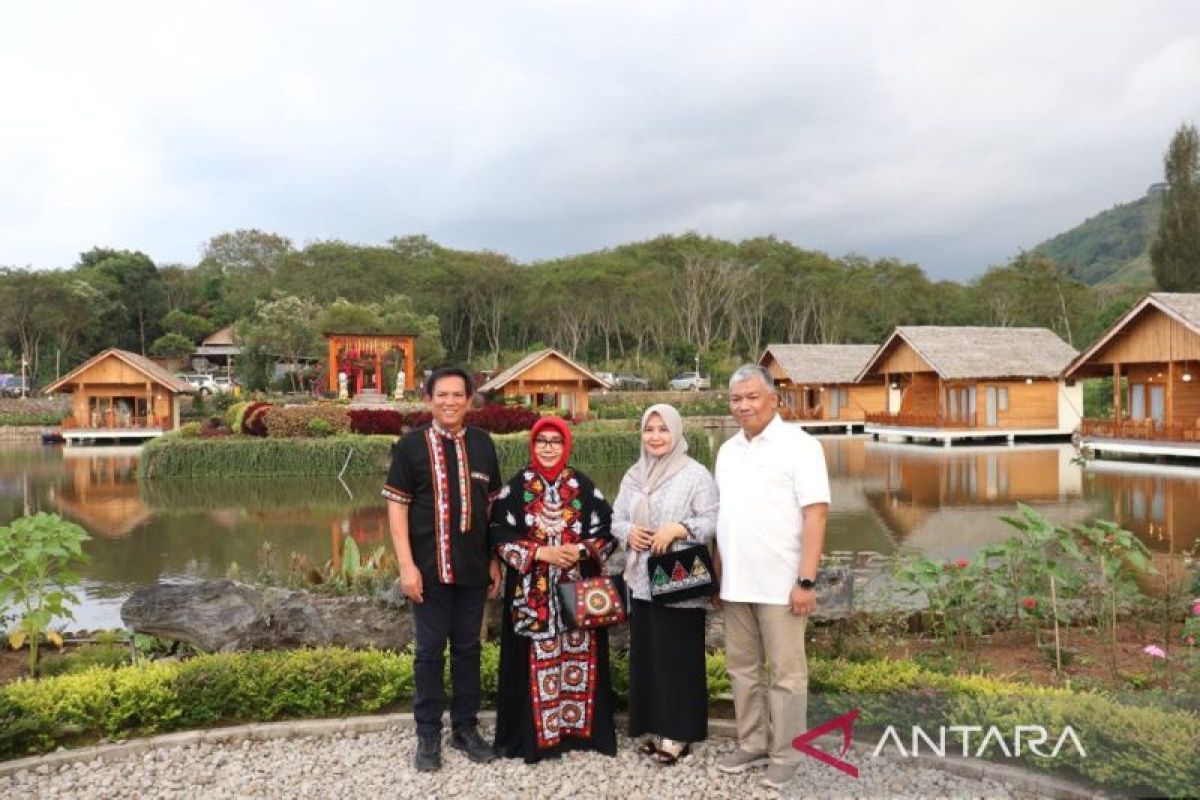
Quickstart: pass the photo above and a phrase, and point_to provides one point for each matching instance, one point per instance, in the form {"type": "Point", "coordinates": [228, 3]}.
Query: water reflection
{"type": "Point", "coordinates": [886, 497]}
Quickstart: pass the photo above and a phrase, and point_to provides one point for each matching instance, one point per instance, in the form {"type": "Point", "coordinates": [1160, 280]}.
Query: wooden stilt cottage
{"type": "Point", "coordinates": [120, 395]}
{"type": "Point", "coordinates": [1151, 359]}
{"type": "Point", "coordinates": [818, 382]}
{"type": "Point", "coordinates": [950, 383]}
{"type": "Point", "coordinates": [547, 378]}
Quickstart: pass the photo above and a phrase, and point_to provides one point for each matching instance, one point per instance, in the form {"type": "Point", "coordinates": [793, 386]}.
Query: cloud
{"type": "Point", "coordinates": [948, 134]}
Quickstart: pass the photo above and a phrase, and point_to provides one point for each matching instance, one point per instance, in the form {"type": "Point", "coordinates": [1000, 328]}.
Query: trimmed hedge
{"type": "Point", "coordinates": [174, 456]}
{"type": "Point", "coordinates": [1147, 750]}
{"type": "Point", "coordinates": [242, 456]}
{"type": "Point", "coordinates": [32, 419]}
{"type": "Point", "coordinates": [296, 421]}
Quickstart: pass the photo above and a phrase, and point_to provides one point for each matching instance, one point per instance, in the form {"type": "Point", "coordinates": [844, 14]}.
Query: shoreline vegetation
{"type": "Point", "coordinates": [1143, 748]}
{"type": "Point", "coordinates": [174, 456]}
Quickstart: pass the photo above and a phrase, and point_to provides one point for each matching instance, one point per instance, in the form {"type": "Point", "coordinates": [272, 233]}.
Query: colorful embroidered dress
{"type": "Point", "coordinates": [554, 684]}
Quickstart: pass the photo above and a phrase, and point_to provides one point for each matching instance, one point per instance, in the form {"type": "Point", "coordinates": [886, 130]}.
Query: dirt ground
{"type": "Point", "coordinates": [1087, 662]}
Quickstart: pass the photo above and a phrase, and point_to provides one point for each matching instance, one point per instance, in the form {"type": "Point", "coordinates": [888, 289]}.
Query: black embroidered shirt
{"type": "Point", "coordinates": [447, 481]}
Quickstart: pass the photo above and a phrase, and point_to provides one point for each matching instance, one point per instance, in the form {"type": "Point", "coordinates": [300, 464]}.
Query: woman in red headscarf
{"type": "Point", "coordinates": [550, 525]}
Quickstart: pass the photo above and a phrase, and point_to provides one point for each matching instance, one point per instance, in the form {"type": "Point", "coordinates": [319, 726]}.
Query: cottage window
{"type": "Point", "coordinates": [1003, 398]}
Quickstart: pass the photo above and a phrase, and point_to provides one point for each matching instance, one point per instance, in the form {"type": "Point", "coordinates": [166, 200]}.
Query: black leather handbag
{"type": "Point", "coordinates": [682, 574]}
{"type": "Point", "coordinates": [592, 602]}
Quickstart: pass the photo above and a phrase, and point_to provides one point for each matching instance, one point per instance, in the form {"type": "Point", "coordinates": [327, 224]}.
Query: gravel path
{"type": "Point", "coordinates": [378, 765]}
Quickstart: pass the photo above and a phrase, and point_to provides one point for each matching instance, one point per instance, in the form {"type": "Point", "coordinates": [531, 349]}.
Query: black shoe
{"type": "Point", "coordinates": [429, 752]}
{"type": "Point", "coordinates": [470, 742]}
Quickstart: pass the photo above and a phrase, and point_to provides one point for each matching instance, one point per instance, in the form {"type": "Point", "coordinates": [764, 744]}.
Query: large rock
{"type": "Point", "coordinates": [216, 616]}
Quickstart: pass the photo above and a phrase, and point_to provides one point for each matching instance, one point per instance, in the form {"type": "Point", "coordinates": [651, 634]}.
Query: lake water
{"type": "Point", "coordinates": [886, 498]}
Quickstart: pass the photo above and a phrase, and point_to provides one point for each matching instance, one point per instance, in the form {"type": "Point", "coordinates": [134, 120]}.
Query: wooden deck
{"type": "Point", "coordinates": [1098, 437]}
{"type": "Point", "coordinates": [937, 429]}
{"type": "Point", "coordinates": [135, 429]}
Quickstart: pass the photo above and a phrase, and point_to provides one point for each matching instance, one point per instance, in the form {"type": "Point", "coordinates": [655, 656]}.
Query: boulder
{"type": "Point", "coordinates": [220, 616]}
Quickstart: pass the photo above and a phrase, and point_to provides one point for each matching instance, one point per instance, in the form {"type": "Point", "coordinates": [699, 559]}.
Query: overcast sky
{"type": "Point", "coordinates": [949, 134]}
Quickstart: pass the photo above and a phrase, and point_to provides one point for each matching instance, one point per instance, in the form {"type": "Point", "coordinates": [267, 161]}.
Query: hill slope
{"type": "Point", "coordinates": [1112, 247]}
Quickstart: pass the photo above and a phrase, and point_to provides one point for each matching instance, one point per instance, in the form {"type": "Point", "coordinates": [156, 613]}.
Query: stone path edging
{"type": "Point", "coordinates": [1016, 777]}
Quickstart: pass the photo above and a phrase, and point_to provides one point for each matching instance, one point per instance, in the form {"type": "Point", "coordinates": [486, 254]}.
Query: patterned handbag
{"type": "Point", "coordinates": [592, 602]}
{"type": "Point", "coordinates": [681, 574]}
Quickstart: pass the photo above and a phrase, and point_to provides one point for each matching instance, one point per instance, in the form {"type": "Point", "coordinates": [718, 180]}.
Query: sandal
{"type": "Point", "coordinates": [647, 747]}
{"type": "Point", "coordinates": [666, 758]}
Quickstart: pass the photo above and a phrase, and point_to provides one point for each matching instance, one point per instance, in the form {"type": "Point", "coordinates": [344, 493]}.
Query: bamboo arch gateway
{"type": "Point", "coordinates": [375, 348]}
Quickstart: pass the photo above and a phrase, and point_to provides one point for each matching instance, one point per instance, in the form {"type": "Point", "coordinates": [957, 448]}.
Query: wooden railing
{"type": "Point", "coordinates": [111, 421]}
{"type": "Point", "coordinates": [908, 420]}
{"type": "Point", "coordinates": [1145, 429]}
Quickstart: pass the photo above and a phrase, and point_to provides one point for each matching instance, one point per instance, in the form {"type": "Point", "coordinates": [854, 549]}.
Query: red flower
{"type": "Point", "coordinates": [1029, 603]}
{"type": "Point", "coordinates": [962, 563]}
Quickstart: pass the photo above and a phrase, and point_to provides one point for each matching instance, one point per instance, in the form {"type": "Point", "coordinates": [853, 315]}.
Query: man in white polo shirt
{"type": "Point", "coordinates": [770, 531]}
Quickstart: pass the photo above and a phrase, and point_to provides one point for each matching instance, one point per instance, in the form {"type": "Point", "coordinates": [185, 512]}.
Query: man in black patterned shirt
{"type": "Point", "coordinates": [442, 480]}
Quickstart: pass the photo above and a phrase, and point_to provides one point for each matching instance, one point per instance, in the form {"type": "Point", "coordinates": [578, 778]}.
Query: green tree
{"type": "Point", "coordinates": [130, 280]}
{"type": "Point", "coordinates": [283, 327]}
{"type": "Point", "coordinates": [189, 326]}
{"type": "Point", "coordinates": [1175, 252]}
{"type": "Point", "coordinates": [172, 345]}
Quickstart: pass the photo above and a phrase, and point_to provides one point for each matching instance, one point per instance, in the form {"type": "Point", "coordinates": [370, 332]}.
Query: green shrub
{"type": "Point", "coordinates": [178, 456]}
{"type": "Point", "coordinates": [233, 416]}
{"type": "Point", "coordinates": [31, 419]}
{"type": "Point", "coordinates": [243, 456]}
{"type": "Point", "coordinates": [1147, 750]}
{"type": "Point", "coordinates": [96, 655]}
{"type": "Point", "coordinates": [293, 421]}
{"type": "Point", "coordinates": [190, 430]}
{"type": "Point", "coordinates": [319, 428]}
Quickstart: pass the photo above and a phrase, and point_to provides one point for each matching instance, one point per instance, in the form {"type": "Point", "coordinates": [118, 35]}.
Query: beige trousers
{"type": "Point", "coordinates": [764, 653]}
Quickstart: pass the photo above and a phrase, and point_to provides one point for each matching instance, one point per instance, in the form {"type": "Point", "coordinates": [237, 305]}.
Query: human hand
{"type": "Point", "coordinates": [562, 556]}
{"type": "Point", "coordinates": [661, 541]}
{"type": "Point", "coordinates": [411, 584]}
{"type": "Point", "coordinates": [494, 582]}
{"type": "Point", "coordinates": [640, 538]}
{"type": "Point", "coordinates": [803, 601]}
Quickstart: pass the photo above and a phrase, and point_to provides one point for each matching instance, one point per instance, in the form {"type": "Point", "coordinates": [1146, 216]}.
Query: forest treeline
{"type": "Point", "coordinates": [650, 306]}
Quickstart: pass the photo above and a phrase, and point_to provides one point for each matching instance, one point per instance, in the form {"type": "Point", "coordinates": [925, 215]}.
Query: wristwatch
{"type": "Point", "coordinates": [806, 583]}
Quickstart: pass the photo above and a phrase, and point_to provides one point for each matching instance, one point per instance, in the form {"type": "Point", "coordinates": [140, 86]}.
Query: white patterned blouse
{"type": "Point", "coordinates": [690, 497]}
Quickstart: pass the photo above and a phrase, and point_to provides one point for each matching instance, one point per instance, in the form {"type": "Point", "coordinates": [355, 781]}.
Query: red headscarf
{"type": "Point", "coordinates": [557, 425]}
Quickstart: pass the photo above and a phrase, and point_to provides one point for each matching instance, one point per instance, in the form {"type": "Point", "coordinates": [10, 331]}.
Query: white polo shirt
{"type": "Point", "coordinates": [764, 482]}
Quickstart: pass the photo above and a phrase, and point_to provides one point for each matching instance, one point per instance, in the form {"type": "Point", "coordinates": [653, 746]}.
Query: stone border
{"type": "Point", "coordinates": [1015, 777]}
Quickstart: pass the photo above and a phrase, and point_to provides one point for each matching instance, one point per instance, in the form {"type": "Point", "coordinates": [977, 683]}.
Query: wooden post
{"type": "Point", "coordinates": [1170, 395]}
{"type": "Point", "coordinates": [410, 362]}
{"type": "Point", "coordinates": [333, 367]}
{"type": "Point", "coordinates": [1116, 391]}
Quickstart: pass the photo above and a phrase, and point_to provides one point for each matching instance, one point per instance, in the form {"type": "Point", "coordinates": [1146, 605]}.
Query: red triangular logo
{"type": "Point", "coordinates": [844, 723]}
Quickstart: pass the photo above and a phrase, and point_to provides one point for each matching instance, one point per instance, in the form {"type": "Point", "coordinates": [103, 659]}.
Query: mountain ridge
{"type": "Point", "coordinates": [1111, 248]}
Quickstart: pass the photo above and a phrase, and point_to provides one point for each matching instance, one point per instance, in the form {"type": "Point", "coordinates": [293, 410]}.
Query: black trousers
{"type": "Point", "coordinates": [454, 614]}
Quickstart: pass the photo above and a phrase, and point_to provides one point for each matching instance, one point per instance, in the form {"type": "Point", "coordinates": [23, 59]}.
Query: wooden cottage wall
{"type": "Point", "coordinates": [901, 359]}
{"type": "Point", "coordinates": [921, 396]}
{"type": "Point", "coordinates": [1153, 337]}
{"type": "Point", "coordinates": [1030, 405]}
{"type": "Point", "coordinates": [865, 399]}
